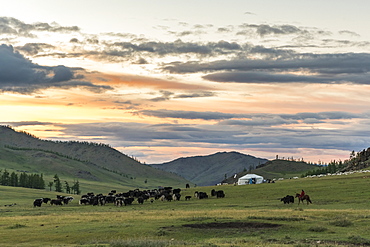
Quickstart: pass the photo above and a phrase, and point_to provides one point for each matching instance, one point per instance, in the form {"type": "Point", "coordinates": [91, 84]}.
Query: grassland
{"type": "Point", "coordinates": [250, 215]}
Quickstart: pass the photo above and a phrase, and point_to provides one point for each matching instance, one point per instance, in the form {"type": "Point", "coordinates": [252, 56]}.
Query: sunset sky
{"type": "Point", "coordinates": [159, 80]}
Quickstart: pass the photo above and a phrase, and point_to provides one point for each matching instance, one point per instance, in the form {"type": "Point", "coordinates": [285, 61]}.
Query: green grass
{"type": "Point", "coordinates": [339, 216]}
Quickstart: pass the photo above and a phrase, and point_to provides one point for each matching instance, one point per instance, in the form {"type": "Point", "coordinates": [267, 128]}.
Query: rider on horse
{"type": "Point", "coordinates": [302, 194]}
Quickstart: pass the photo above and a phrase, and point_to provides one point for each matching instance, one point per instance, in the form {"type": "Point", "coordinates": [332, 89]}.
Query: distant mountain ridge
{"type": "Point", "coordinates": [210, 169]}
{"type": "Point", "coordinates": [91, 161]}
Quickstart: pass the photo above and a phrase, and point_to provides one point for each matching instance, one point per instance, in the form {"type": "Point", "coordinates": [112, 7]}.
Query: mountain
{"type": "Point", "coordinates": [20, 151]}
{"type": "Point", "coordinates": [211, 169]}
{"type": "Point", "coordinates": [276, 169]}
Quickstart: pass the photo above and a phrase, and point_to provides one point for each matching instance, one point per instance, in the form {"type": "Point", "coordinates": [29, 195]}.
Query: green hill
{"type": "Point", "coordinates": [276, 169]}
{"type": "Point", "coordinates": [91, 163]}
{"type": "Point", "coordinates": [211, 169]}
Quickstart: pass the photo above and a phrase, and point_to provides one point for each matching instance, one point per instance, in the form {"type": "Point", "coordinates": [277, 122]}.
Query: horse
{"type": "Point", "coordinates": [301, 199]}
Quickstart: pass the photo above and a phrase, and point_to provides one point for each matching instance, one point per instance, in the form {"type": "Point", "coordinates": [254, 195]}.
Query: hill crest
{"type": "Point", "coordinates": [90, 161]}
{"type": "Point", "coordinates": [210, 169]}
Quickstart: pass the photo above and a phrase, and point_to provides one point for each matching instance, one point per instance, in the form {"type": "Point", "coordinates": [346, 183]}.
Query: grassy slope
{"type": "Point", "coordinates": [69, 161]}
{"type": "Point", "coordinates": [211, 169]}
{"type": "Point", "coordinates": [275, 169]}
{"type": "Point", "coordinates": [339, 216]}
{"type": "Point", "coordinates": [283, 168]}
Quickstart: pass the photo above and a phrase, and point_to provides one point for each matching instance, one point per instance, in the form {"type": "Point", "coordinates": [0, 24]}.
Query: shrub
{"type": "Point", "coordinates": [341, 223]}
{"type": "Point", "coordinates": [358, 240]}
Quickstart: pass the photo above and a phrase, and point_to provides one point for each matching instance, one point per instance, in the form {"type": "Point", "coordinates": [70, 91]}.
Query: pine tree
{"type": "Point", "coordinates": [50, 185]}
{"type": "Point", "coordinates": [58, 184]}
{"type": "Point", "coordinates": [5, 178]}
{"type": "Point", "coordinates": [76, 188]}
{"type": "Point", "coordinates": [67, 187]}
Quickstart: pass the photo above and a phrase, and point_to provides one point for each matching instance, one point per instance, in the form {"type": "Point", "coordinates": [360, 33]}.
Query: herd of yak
{"type": "Point", "coordinates": [127, 198]}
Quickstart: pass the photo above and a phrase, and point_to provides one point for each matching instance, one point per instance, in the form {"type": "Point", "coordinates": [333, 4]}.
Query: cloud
{"type": "Point", "coordinates": [195, 95]}
{"type": "Point", "coordinates": [266, 30]}
{"type": "Point", "coordinates": [304, 68]}
{"type": "Point", "coordinates": [163, 113]}
{"type": "Point", "coordinates": [166, 95]}
{"type": "Point", "coordinates": [350, 33]}
{"type": "Point", "coordinates": [293, 118]}
{"type": "Point", "coordinates": [21, 75]}
{"type": "Point", "coordinates": [27, 123]}
{"type": "Point", "coordinates": [12, 26]}
{"type": "Point", "coordinates": [35, 48]}
{"type": "Point", "coordinates": [271, 134]}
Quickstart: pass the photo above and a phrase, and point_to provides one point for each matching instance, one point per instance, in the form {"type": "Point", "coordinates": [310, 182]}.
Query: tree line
{"type": "Point", "coordinates": [33, 181]}
{"type": "Point", "coordinates": [36, 181]}
{"type": "Point", "coordinates": [332, 167]}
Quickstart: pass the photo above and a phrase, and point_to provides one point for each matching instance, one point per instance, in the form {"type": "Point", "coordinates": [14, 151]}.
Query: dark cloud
{"type": "Point", "coordinates": [26, 123]}
{"type": "Point", "coordinates": [253, 118]}
{"type": "Point", "coordinates": [259, 122]}
{"type": "Point", "coordinates": [162, 113]}
{"type": "Point", "coordinates": [166, 95]}
{"type": "Point", "coordinates": [151, 48]}
{"type": "Point", "coordinates": [324, 68]}
{"type": "Point", "coordinates": [196, 95]}
{"type": "Point", "coordinates": [264, 29]}
{"type": "Point", "coordinates": [19, 74]}
{"type": "Point", "coordinates": [34, 48]}
{"type": "Point", "coordinates": [12, 26]}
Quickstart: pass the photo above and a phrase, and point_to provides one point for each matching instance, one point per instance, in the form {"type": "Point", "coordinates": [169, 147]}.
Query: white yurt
{"type": "Point", "coordinates": [250, 179]}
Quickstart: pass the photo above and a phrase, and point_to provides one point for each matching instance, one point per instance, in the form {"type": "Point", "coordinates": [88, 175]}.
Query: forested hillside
{"type": "Point", "coordinates": [20, 151]}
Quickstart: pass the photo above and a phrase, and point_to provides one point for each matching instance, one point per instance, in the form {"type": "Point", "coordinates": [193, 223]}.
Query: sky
{"type": "Point", "coordinates": [160, 80]}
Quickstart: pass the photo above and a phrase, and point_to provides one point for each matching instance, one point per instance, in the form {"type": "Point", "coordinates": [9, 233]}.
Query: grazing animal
{"type": "Point", "coordinates": [200, 195]}
{"type": "Point", "coordinates": [187, 198]}
{"type": "Point", "coordinates": [46, 200]}
{"type": "Point", "coordinates": [84, 201]}
{"type": "Point", "coordinates": [213, 192]}
{"type": "Point", "coordinates": [140, 200]}
{"type": "Point", "coordinates": [67, 199]}
{"type": "Point", "coordinates": [176, 191]}
{"type": "Point", "coordinates": [119, 201]}
{"type": "Point", "coordinates": [301, 199]}
{"type": "Point", "coordinates": [128, 201]}
{"type": "Point", "coordinates": [176, 197]}
{"type": "Point", "coordinates": [220, 194]}
{"type": "Point", "coordinates": [287, 199]}
{"type": "Point", "coordinates": [37, 202]}
{"type": "Point", "coordinates": [56, 202]}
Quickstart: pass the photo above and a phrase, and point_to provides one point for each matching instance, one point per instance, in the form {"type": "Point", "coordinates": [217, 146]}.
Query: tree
{"type": "Point", "coordinates": [50, 185]}
{"type": "Point", "coordinates": [13, 181]}
{"type": "Point", "coordinates": [5, 178]}
{"type": "Point", "coordinates": [58, 184]}
{"type": "Point", "coordinates": [67, 187]}
{"type": "Point", "coordinates": [76, 188]}
{"type": "Point", "coordinates": [23, 179]}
